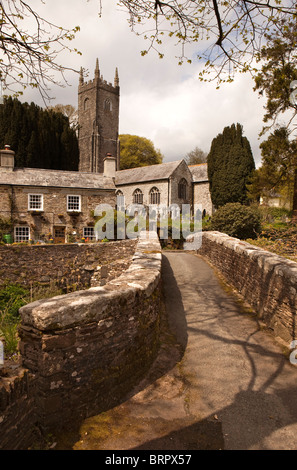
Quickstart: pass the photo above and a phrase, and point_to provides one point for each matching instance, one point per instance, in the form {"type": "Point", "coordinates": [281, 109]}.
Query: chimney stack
{"type": "Point", "coordinates": [7, 158]}
{"type": "Point", "coordinates": [109, 166]}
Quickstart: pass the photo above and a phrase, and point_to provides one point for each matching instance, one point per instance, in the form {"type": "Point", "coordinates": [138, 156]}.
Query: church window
{"type": "Point", "coordinates": [137, 197]}
{"type": "Point", "coordinates": [107, 105]}
{"type": "Point", "coordinates": [120, 199]}
{"type": "Point", "coordinates": [154, 196]}
{"type": "Point", "coordinates": [182, 189]}
{"type": "Point", "coordinates": [86, 104]}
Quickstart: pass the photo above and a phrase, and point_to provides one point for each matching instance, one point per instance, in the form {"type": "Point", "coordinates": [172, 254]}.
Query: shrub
{"type": "Point", "coordinates": [237, 221]}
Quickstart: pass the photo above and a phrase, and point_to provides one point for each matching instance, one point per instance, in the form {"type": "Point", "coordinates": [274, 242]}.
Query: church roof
{"type": "Point", "coordinates": [55, 178]}
{"type": "Point", "coordinates": [199, 172]}
{"type": "Point", "coordinates": [146, 173]}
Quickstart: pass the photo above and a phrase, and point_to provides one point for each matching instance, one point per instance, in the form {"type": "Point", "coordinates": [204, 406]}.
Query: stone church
{"type": "Point", "coordinates": [166, 183]}
{"type": "Point", "coordinates": [57, 206]}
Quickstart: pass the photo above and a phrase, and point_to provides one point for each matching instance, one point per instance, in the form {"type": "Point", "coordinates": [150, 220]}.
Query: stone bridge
{"type": "Point", "coordinates": [197, 358]}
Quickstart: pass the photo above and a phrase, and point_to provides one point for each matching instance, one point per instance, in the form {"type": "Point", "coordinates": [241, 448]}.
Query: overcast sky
{"type": "Point", "coordinates": [160, 100]}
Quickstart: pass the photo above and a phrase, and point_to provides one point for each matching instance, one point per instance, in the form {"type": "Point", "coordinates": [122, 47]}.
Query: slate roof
{"type": "Point", "coordinates": [55, 178]}
{"type": "Point", "coordinates": [199, 172]}
{"type": "Point", "coordinates": [146, 173]}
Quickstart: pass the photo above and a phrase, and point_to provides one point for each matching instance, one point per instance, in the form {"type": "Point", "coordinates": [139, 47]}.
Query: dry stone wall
{"type": "Point", "coordinates": [67, 265]}
{"type": "Point", "coordinates": [83, 351]}
{"type": "Point", "coordinates": [267, 281]}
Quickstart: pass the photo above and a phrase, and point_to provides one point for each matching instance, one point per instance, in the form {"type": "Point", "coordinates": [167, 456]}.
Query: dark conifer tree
{"type": "Point", "coordinates": [230, 165]}
{"type": "Point", "coordinates": [40, 138]}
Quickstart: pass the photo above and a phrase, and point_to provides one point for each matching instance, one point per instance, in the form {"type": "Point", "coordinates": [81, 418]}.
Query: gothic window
{"type": "Point", "coordinates": [182, 189]}
{"type": "Point", "coordinates": [107, 105]}
{"type": "Point", "coordinates": [120, 199]}
{"type": "Point", "coordinates": [86, 104]}
{"type": "Point", "coordinates": [137, 196]}
{"type": "Point", "coordinates": [154, 196]}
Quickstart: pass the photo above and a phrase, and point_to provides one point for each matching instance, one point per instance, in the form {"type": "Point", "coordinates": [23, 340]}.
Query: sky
{"type": "Point", "coordinates": [159, 99]}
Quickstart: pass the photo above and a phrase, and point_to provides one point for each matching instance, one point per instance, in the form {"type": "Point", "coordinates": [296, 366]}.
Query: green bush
{"type": "Point", "coordinates": [237, 221]}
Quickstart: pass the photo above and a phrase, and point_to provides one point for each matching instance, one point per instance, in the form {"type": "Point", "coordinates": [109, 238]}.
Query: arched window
{"type": "Point", "coordinates": [154, 196]}
{"type": "Point", "coordinates": [137, 196]}
{"type": "Point", "coordinates": [182, 189]}
{"type": "Point", "coordinates": [107, 105]}
{"type": "Point", "coordinates": [86, 104]}
{"type": "Point", "coordinates": [120, 199]}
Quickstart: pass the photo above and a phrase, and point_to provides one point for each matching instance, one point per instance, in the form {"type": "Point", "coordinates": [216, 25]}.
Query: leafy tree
{"type": "Point", "coordinates": [28, 55]}
{"type": "Point", "coordinates": [277, 73]}
{"type": "Point", "coordinates": [228, 34]}
{"type": "Point", "coordinates": [137, 151]}
{"type": "Point", "coordinates": [230, 165]}
{"type": "Point", "coordinates": [196, 156]}
{"type": "Point", "coordinates": [277, 80]}
{"type": "Point", "coordinates": [69, 111]}
{"type": "Point", "coordinates": [40, 138]}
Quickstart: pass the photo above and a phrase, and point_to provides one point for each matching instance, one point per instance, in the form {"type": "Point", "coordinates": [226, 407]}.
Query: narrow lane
{"type": "Point", "coordinates": [219, 382]}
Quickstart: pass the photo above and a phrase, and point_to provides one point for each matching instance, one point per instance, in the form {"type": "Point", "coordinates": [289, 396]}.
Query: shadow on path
{"type": "Point", "coordinates": [219, 382]}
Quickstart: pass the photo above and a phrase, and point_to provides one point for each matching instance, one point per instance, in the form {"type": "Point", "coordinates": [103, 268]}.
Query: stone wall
{"type": "Point", "coordinates": [83, 351]}
{"type": "Point", "coordinates": [67, 266]}
{"type": "Point", "coordinates": [201, 195]}
{"type": "Point", "coordinates": [267, 281]}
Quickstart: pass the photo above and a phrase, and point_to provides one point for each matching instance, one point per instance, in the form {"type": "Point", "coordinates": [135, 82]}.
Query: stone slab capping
{"type": "Point", "coordinates": [82, 352]}
{"type": "Point", "coordinates": [268, 282]}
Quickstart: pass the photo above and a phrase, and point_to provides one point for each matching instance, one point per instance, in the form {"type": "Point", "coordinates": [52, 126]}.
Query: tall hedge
{"type": "Point", "coordinates": [230, 165]}
{"type": "Point", "coordinates": [40, 138]}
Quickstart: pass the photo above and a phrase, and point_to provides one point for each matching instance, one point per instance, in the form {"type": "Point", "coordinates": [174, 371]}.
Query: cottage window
{"type": "Point", "coordinates": [182, 189]}
{"type": "Point", "coordinates": [137, 197]}
{"type": "Point", "coordinates": [89, 233]}
{"type": "Point", "coordinates": [21, 233]}
{"type": "Point", "coordinates": [35, 202]}
{"type": "Point", "coordinates": [73, 203]}
{"type": "Point", "coordinates": [154, 196]}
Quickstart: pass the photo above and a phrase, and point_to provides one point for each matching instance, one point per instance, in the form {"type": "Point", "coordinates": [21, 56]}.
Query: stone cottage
{"type": "Point", "coordinates": [51, 205]}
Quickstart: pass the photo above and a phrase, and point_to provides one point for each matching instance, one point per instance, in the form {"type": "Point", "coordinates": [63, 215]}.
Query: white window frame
{"type": "Point", "coordinates": [31, 203]}
{"type": "Point", "coordinates": [92, 237]}
{"type": "Point", "coordinates": [18, 237]}
{"type": "Point", "coordinates": [69, 209]}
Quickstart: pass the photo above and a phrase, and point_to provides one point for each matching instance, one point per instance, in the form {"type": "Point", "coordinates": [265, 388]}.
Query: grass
{"type": "Point", "coordinates": [12, 298]}
{"type": "Point", "coordinates": [278, 234]}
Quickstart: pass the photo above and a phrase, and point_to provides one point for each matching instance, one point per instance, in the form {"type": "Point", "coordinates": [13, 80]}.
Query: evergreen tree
{"type": "Point", "coordinates": [230, 165]}
{"type": "Point", "coordinates": [40, 138]}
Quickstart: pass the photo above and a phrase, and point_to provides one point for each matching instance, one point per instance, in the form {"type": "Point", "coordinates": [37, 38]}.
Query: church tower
{"type": "Point", "coordinates": [98, 121]}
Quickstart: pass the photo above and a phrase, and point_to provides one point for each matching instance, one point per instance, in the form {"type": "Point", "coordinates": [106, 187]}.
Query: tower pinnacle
{"type": "Point", "coordinates": [81, 76]}
{"type": "Point", "coordinates": [116, 78]}
{"type": "Point", "coordinates": [97, 72]}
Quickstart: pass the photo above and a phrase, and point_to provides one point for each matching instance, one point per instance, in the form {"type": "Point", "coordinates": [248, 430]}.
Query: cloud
{"type": "Point", "coordinates": [160, 100]}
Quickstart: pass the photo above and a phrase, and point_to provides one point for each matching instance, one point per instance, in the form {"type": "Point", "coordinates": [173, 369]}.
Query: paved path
{"type": "Point", "coordinates": [220, 382]}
